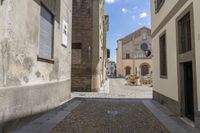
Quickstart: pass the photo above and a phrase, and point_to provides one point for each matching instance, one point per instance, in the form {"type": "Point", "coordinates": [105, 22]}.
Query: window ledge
{"type": "Point", "coordinates": [42, 59]}
{"type": "Point", "coordinates": [163, 76]}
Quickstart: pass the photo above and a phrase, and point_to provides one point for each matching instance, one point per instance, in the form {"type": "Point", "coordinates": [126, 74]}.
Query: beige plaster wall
{"type": "Point", "coordinates": [158, 17]}
{"type": "Point", "coordinates": [169, 86]}
{"type": "Point", "coordinates": [197, 45]}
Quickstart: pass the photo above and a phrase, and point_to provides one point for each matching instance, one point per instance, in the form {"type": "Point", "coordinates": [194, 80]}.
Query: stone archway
{"type": "Point", "coordinates": [145, 69]}
{"type": "Point", "coordinates": [127, 70]}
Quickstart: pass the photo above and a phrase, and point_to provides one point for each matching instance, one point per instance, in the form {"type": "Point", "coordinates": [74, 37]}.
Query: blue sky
{"type": "Point", "coordinates": [125, 16]}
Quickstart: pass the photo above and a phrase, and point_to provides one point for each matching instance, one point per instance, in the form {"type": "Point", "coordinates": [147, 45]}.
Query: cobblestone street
{"type": "Point", "coordinates": [126, 109]}
{"type": "Point", "coordinates": [110, 116]}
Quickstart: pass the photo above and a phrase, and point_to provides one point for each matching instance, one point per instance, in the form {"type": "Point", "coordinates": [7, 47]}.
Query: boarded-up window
{"type": "Point", "coordinates": [76, 53]}
{"type": "Point", "coordinates": [163, 56]}
{"type": "Point", "coordinates": [185, 43]}
{"type": "Point", "coordinates": [46, 33]}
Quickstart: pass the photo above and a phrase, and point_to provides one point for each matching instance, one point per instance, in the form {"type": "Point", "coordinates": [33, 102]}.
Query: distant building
{"type": "Point", "coordinates": [134, 54]}
{"type": "Point", "coordinates": [176, 62]}
{"type": "Point", "coordinates": [35, 56]}
{"type": "Point", "coordinates": [89, 55]}
{"type": "Point", "coordinates": [111, 69]}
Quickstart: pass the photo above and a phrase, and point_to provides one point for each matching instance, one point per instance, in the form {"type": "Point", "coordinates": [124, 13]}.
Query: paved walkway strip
{"type": "Point", "coordinates": [174, 125]}
{"type": "Point", "coordinates": [48, 121]}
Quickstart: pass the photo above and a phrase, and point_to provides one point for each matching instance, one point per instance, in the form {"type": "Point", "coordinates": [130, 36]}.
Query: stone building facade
{"type": "Point", "coordinates": [176, 62]}
{"type": "Point", "coordinates": [35, 56]}
{"type": "Point", "coordinates": [88, 45]}
{"type": "Point", "coordinates": [131, 54]}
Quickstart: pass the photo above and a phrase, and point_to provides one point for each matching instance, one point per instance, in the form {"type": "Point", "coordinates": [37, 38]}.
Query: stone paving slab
{"type": "Point", "coordinates": [170, 120]}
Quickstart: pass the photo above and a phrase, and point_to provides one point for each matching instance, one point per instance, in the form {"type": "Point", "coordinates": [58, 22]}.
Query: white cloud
{"type": "Point", "coordinates": [124, 10]}
{"type": "Point", "coordinates": [143, 15]}
{"type": "Point", "coordinates": [139, 23]}
{"type": "Point", "coordinates": [135, 8]}
{"type": "Point", "coordinates": [110, 1]}
{"type": "Point", "coordinates": [133, 18]}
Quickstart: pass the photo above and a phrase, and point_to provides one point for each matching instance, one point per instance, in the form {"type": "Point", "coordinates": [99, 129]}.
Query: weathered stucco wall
{"type": "Point", "coordinates": [29, 86]}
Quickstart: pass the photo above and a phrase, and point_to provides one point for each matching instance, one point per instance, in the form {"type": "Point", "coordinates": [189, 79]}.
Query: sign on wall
{"type": "Point", "coordinates": [65, 33]}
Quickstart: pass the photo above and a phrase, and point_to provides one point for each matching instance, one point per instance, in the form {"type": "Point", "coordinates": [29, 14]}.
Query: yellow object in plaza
{"type": "Point", "coordinates": [133, 78]}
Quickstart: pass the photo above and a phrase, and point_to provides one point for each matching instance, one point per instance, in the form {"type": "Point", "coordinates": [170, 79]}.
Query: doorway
{"type": "Point", "coordinates": [144, 69]}
{"type": "Point", "coordinates": [128, 70]}
{"type": "Point", "coordinates": [187, 89]}
{"type": "Point", "coordinates": [186, 63]}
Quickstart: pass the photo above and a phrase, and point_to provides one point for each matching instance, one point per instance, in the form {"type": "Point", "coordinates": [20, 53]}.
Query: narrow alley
{"type": "Point", "coordinates": [115, 112]}
{"type": "Point", "coordinates": [99, 66]}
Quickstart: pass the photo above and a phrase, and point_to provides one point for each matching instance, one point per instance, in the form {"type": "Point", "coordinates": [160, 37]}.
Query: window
{"type": "Point", "coordinates": [127, 56]}
{"type": "Point", "coordinates": [144, 46]}
{"type": "Point", "coordinates": [184, 31]}
{"type": "Point", "coordinates": [76, 53]}
{"type": "Point", "coordinates": [46, 33]}
{"type": "Point", "coordinates": [127, 70]}
{"type": "Point", "coordinates": [163, 56]}
{"type": "Point", "coordinates": [158, 5]}
{"type": "Point", "coordinates": [108, 53]}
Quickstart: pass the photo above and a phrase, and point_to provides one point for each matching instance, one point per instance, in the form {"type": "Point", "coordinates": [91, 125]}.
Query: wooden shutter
{"type": "Point", "coordinates": [46, 34]}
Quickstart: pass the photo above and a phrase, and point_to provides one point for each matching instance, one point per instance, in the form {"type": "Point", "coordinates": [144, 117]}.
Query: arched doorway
{"type": "Point", "coordinates": [144, 69]}
{"type": "Point", "coordinates": [128, 70]}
